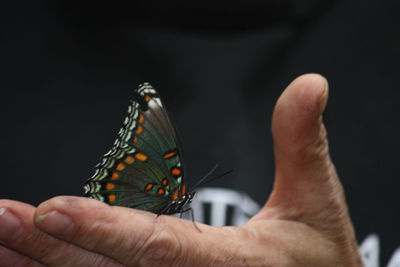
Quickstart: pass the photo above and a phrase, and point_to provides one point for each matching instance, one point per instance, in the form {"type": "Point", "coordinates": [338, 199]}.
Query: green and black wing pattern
{"type": "Point", "coordinates": [143, 169]}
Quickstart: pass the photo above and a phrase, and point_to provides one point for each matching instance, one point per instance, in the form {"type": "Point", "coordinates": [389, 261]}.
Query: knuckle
{"type": "Point", "coordinates": [317, 149]}
{"type": "Point", "coordinates": [162, 248]}
{"type": "Point", "coordinates": [42, 253]}
{"type": "Point", "coordinates": [113, 241]}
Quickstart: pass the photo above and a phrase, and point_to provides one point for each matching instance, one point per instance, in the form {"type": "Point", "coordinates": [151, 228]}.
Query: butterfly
{"type": "Point", "coordinates": [144, 168]}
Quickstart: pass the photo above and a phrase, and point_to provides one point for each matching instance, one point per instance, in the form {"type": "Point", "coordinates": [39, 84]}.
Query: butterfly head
{"type": "Point", "coordinates": [178, 205]}
{"type": "Point", "coordinates": [184, 200]}
{"type": "Point", "coordinates": [189, 197]}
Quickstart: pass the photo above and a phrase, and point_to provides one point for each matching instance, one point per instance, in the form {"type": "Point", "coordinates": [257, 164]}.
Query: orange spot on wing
{"type": "Point", "coordinates": [135, 139]}
{"type": "Point", "coordinates": [139, 129]}
{"type": "Point", "coordinates": [147, 98]}
{"type": "Point", "coordinates": [170, 154]}
{"type": "Point", "coordinates": [110, 186]}
{"type": "Point", "coordinates": [120, 166]}
{"type": "Point", "coordinates": [114, 176]}
{"type": "Point", "coordinates": [183, 189]}
{"type": "Point", "coordinates": [112, 198]}
{"type": "Point", "coordinates": [141, 118]}
{"type": "Point", "coordinates": [164, 182]}
{"type": "Point", "coordinates": [141, 156]}
{"type": "Point", "coordinates": [129, 160]}
{"type": "Point", "coordinates": [160, 191]}
{"type": "Point", "coordinates": [176, 171]}
{"type": "Point", "coordinates": [148, 187]}
{"type": "Point", "coordinates": [175, 196]}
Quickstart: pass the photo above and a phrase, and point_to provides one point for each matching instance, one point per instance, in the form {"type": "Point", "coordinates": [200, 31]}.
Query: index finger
{"type": "Point", "coordinates": [126, 235]}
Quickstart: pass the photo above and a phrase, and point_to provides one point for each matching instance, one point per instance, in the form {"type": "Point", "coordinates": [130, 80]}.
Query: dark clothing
{"type": "Point", "coordinates": [67, 73]}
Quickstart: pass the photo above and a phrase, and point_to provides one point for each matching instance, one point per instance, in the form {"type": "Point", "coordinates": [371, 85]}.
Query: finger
{"type": "Point", "coordinates": [300, 143]}
{"type": "Point", "coordinates": [304, 172]}
{"type": "Point", "coordinates": [139, 238]}
{"type": "Point", "coordinates": [127, 235]}
{"type": "Point", "coordinates": [306, 187]}
{"type": "Point", "coordinates": [18, 233]}
{"type": "Point", "coordinates": [11, 258]}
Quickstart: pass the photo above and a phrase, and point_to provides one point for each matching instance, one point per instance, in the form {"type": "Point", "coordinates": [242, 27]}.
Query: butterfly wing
{"type": "Point", "coordinates": [143, 169]}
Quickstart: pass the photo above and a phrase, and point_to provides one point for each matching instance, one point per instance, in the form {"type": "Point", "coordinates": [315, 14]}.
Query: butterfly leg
{"type": "Point", "coordinates": [192, 215]}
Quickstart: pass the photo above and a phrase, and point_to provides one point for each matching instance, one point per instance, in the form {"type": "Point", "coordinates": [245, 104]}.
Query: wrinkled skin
{"type": "Point", "coordinates": [305, 222]}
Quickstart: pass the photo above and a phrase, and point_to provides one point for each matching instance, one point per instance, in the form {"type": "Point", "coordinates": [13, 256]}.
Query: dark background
{"type": "Point", "coordinates": [68, 70]}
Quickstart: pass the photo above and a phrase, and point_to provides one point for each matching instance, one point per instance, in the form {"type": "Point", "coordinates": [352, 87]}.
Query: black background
{"type": "Point", "coordinates": [67, 72]}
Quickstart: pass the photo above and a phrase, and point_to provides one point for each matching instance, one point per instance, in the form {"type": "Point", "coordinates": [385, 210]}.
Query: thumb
{"type": "Point", "coordinates": [306, 187]}
{"type": "Point", "coordinates": [303, 166]}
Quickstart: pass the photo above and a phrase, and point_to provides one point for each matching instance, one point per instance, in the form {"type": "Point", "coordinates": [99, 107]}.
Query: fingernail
{"type": "Point", "coordinates": [324, 97]}
{"type": "Point", "coordinates": [10, 226]}
{"type": "Point", "coordinates": [55, 223]}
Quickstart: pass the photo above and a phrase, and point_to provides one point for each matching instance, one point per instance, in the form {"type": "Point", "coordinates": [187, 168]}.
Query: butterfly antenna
{"type": "Point", "coordinates": [205, 177]}
{"type": "Point", "coordinates": [203, 180]}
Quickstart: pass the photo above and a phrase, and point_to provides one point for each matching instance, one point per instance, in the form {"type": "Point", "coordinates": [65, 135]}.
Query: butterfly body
{"type": "Point", "coordinates": [144, 168]}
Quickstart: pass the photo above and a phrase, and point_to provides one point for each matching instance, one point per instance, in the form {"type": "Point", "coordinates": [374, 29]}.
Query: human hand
{"type": "Point", "coordinates": [305, 222]}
